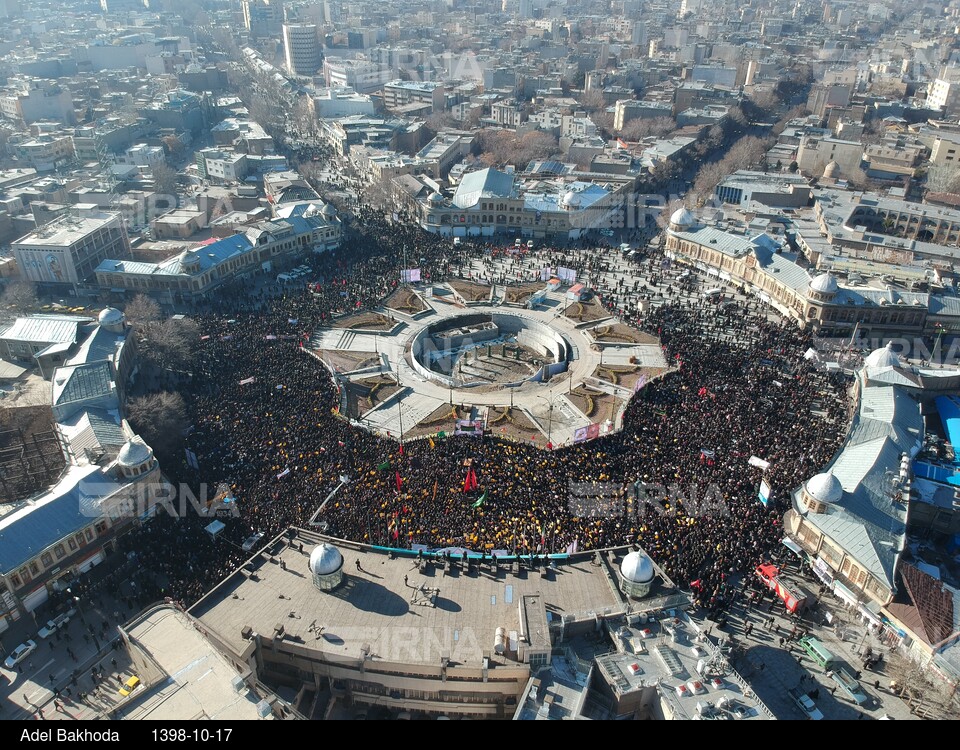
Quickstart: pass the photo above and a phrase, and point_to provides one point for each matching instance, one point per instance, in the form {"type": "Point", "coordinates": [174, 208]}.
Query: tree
{"type": "Point", "coordinates": [161, 419]}
{"type": "Point", "coordinates": [174, 146]}
{"type": "Point", "coordinates": [165, 179]}
{"type": "Point", "coordinates": [19, 296]}
{"type": "Point", "coordinates": [943, 178]}
{"type": "Point", "coordinates": [142, 312]}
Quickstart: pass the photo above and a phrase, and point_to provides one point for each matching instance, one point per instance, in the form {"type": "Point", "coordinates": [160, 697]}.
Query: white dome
{"type": "Point", "coordinates": [884, 357]}
{"type": "Point", "coordinates": [825, 487]}
{"type": "Point", "coordinates": [637, 568]}
{"type": "Point", "coordinates": [134, 452]}
{"type": "Point", "coordinates": [328, 210]}
{"type": "Point", "coordinates": [571, 199]}
{"type": "Point", "coordinates": [683, 218]}
{"type": "Point", "coordinates": [110, 316]}
{"type": "Point", "coordinates": [435, 198]}
{"type": "Point", "coordinates": [825, 284]}
{"type": "Point", "coordinates": [325, 559]}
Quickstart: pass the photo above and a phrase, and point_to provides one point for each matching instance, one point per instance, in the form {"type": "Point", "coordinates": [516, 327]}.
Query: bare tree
{"type": "Point", "coordinates": [19, 296]}
{"type": "Point", "coordinates": [142, 312]}
{"type": "Point", "coordinates": [161, 419]}
{"type": "Point", "coordinates": [174, 146]}
{"type": "Point", "coordinates": [164, 179]}
{"type": "Point", "coordinates": [943, 178]}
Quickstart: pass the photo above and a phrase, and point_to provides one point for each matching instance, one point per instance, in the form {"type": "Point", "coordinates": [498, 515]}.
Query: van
{"type": "Point", "coordinates": [284, 278]}
{"type": "Point", "coordinates": [713, 294]}
{"type": "Point", "coordinates": [817, 651]}
{"type": "Point", "coordinates": [456, 240]}
{"type": "Point", "coordinates": [529, 244]}
{"type": "Point", "coordinates": [518, 242]}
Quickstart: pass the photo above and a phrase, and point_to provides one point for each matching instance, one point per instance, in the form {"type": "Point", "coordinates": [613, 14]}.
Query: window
{"type": "Point", "coordinates": [47, 559]}
{"type": "Point", "coordinates": [73, 544]}
{"type": "Point", "coordinates": [101, 527]}
{"type": "Point", "coordinates": [34, 568]}
{"type": "Point", "coordinates": [59, 551]}
{"type": "Point", "coordinates": [15, 580]}
{"type": "Point", "coordinates": [89, 534]}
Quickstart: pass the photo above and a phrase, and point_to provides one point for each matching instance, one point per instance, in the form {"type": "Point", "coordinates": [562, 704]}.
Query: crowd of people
{"type": "Point", "coordinates": [265, 423]}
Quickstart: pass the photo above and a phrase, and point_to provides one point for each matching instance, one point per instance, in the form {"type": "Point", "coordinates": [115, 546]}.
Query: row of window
{"type": "Point", "coordinates": [28, 572]}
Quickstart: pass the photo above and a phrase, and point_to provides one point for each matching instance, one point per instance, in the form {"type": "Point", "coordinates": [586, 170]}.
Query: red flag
{"type": "Point", "coordinates": [401, 449]}
{"type": "Point", "coordinates": [399, 481]}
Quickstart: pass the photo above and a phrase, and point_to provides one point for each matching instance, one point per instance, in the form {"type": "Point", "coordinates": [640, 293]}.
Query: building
{"type": "Point", "coordinates": [453, 633]}
{"type": "Point", "coordinates": [774, 189]}
{"type": "Point", "coordinates": [491, 202]}
{"type": "Point", "coordinates": [262, 18]}
{"type": "Point", "coordinates": [33, 100]}
{"type": "Point", "coordinates": [363, 76]}
{"type": "Point", "coordinates": [301, 48]}
{"type": "Point", "coordinates": [509, 114]}
{"type": "Point", "coordinates": [69, 249]}
{"type": "Point", "coordinates": [45, 339]}
{"type": "Point", "coordinates": [764, 266]}
{"type": "Point", "coordinates": [45, 153]}
{"type": "Point", "coordinates": [402, 93]}
{"type": "Point", "coordinates": [446, 150]}
{"type": "Point", "coordinates": [112, 481]}
{"type": "Point", "coordinates": [630, 109]}
{"type": "Point", "coordinates": [944, 94]}
{"type": "Point", "coordinates": [847, 519]}
{"type": "Point", "coordinates": [221, 166]}
{"type": "Point", "coordinates": [816, 153]}
{"type": "Point", "coordinates": [306, 227]}
{"type": "Point", "coordinates": [342, 102]}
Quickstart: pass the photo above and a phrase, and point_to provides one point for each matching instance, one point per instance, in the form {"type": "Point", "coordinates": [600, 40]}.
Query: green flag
{"type": "Point", "coordinates": [384, 466]}
{"type": "Point", "coordinates": [480, 501]}
{"type": "Point", "coordinates": [441, 434]}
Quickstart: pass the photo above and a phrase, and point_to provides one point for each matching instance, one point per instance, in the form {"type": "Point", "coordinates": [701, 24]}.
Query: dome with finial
{"type": "Point", "coordinates": [682, 219]}
{"type": "Point", "coordinates": [883, 357]}
{"type": "Point", "coordinates": [435, 198]}
{"type": "Point", "coordinates": [637, 568]}
{"type": "Point", "coordinates": [831, 171]}
{"type": "Point", "coordinates": [326, 566]}
{"type": "Point", "coordinates": [110, 316]}
{"type": "Point", "coordinates": [824, 488]}
{"type": "Point", "coordinates": [825, 283]}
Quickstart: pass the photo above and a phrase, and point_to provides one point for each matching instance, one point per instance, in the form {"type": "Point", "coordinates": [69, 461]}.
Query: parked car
{"type": "Point", "coordinates": [251, 541]}
{"type": "Point", "coordinates": [809, 708]}
{"type": "Point", "coordinates": [20, 653]}
{"type": "Point", "coordinates": [52, 626]}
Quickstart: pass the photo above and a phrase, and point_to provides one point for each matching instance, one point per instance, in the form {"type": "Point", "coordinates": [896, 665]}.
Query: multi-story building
{"type": "Point", "coordinates": [491, 202]}
{"type": "Point", "coordinates": [45, 153]}
{"type": "Point", "coordinates": [363, 76]}
{"type": "Point", "coordinates": [305, 227]}
{"type": "Point", "coordinates": [510, 114]}
{"type": "Point", "coordinates": [775, 189]}
{"type": "Point", "coordinates": [344, 102]}
{"type": "Point", "coordinates": [220, 166]}
{"type": "Point", "coordinates": [630, 109]}
{"type": "Point", "coordinates": [816, 153]}
{"type": "Point", "coordinates": [401, 93]}
{"type": "Point", "coordinates": [31, 100]}
{"type": "Point", "coordinates": [69, 249]}
{"type": "Point", "coordinates": [301, 48]}
{"type": "Point", "coordinates": [944, 94]}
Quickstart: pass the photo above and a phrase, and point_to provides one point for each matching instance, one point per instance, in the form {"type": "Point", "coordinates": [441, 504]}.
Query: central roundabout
{"type": "Point", "coordinates": [540, 365]}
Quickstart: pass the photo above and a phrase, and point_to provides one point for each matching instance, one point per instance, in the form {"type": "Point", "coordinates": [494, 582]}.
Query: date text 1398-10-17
{"type": "Point", "coordinates": [177, 734]}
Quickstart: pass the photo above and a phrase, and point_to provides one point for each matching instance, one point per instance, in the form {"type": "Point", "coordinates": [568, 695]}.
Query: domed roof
{"type": "Point", "coordinates": [831, 171]}
{"type": "Point", "coordinates": [883, 357]}
{"type": "Point", "coordinates": [134, 452]}
{"type": "Point", "coordinates": [328, 210]}
{"type": "Point", "coordinates": [683, 218]}
{"type": "Point", "coordinates": [325, 559]}
{"type": "Point", "coordinates": [825, 284]}
{"type": "Point", "coordinates": [825, 487]}
{"type": "Point", "coordinates": [110, 316]}
{"type": "Point", "coordinates": [435, 198]}
{"type": "Point", "coordinates": [571, 199]}
{"type": "Point", "coordinates": [637, 568]}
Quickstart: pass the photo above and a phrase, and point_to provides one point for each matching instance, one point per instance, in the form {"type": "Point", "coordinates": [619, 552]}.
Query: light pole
{"type": "Point", "coordinates": [550, 418]}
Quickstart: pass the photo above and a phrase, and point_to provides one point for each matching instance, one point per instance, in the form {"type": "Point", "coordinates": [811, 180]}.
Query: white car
{"type": "Point", "coordinates": [20, 653]}
{"type": "Point", "coordinates": [52, 626]}
{"type": "Point", "coordinates": [251, 541]}
{"type": "Point", "coordinates": [809, 707]}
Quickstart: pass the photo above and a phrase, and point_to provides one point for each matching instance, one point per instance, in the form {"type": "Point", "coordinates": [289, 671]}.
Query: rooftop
{"type": "Point", "coordinates": [192, 680]}
{"type": "Point", "coordinates": [67, 230]}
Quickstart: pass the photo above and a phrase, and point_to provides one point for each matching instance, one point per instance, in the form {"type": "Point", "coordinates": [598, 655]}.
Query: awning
{"type": "Point", "coordinates": [844, 593]}
{"type": "Point", "coordinates": [871, 610]}
{"type": "Point", "coordinates": [792, 546]}
{"type": "Point", "coordinates": [823, 571]}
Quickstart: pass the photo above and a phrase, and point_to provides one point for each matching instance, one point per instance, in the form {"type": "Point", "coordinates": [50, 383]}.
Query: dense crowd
{"type": "Point", "coordinates": [739, 387]}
